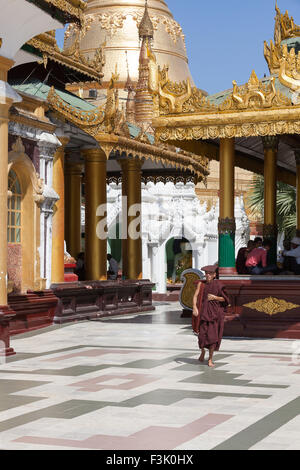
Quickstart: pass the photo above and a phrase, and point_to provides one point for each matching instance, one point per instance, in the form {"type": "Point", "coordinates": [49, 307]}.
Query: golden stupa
{"type": "Point", "coordinates": [114, 24]}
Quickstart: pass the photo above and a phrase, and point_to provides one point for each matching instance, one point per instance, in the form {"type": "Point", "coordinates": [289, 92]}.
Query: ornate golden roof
{"type": "Point", "coordinates": [107, 125]}
{"type": "Point", "coordinates": [281, 56]}
{"type": "Point", "coordinates": [74, 8]}
{"type": "Point", "coordinates": [285, 27]}
{"type": "Point", "coordinates": [72, 57]}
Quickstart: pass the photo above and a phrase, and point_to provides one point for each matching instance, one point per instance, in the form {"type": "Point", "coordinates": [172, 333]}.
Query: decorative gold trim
{"type": "Point", "coordinates": [71, 57]}
{"type": "Point", "coordinates": [181, 98]}
{"type": "Point", "coordinates": [246, 129]}
{"type": "Point", "coordinates": [112, 21]}
{"type": "Point", "coordinates": [285, 27]}
{"type": "Point", "coordinates": [271, 306]}
{"type": "Point", "coordinates": [72, 7]}
{"type": "Point", "coordinates": [107, 125]}
{"type": "Point", "coordinates": [177, 98]}
{"type": "Point", "coordinates": [255, 95]}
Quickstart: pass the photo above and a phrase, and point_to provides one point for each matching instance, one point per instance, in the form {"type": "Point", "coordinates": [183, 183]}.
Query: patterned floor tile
{"type": "Point", "coordinates": [85, 387]}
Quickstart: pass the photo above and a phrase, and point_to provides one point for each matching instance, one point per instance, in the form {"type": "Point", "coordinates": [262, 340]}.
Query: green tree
{"type": "Point", "coordinates": [286, 204]}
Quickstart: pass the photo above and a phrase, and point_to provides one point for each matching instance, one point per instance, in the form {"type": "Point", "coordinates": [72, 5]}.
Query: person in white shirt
{"type": "Point", "coordinates": [292, 256]}
{"type": "Point", "coordinates": [113, 268]}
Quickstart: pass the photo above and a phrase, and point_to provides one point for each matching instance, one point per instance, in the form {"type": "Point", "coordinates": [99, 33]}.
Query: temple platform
{"type": "Point", "coordinates": [97, 299]}
{"type": "Point", "coordinates": [31, 311]}
{"type": "Point", "coordinates": [263, 306]}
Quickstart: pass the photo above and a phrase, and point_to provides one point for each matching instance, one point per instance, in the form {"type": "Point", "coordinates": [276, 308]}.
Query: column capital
{"type": "Point", "coordinates": [64, 140]}
{"type": "Point", "coordinates": [297, 156]}
{"type": "Point", "coordinates": [94, 154]}
{"type": "Point", "coordinates": [270, 231]}
{"type": "Point", "coordinates": [270, 142]}
{"type": "Point", "coordinates": [226, 225]}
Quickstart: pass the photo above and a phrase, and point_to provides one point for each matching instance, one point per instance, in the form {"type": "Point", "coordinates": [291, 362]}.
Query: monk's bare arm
{"type": "Point", "coordinates": [215, 298]}
{"type": "Point", "coordinates": [195, 298]}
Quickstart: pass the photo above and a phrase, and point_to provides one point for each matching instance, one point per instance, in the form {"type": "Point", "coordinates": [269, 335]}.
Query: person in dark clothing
{"type": "Point", "coordinates": [242, 256]}
{"type": "Point", "coordinates": [80, 268]}
{"type": "Point", "coordinates": [256, 261]}
{"type": "Point", "coordinates": [209, 304]}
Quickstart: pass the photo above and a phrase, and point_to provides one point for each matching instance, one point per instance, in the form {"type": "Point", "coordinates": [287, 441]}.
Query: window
{"type": "Point", "coordinates": [93, 93]}
{"type": "Point", "coordinates": [14, 209]}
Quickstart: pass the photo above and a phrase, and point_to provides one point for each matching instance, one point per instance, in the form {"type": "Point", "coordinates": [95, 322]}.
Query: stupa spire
{"type": "Point", "coordinates": [146, 29]}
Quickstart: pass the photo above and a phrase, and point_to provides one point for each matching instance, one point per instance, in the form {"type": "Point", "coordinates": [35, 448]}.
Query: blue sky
{"type": "Point", "coordinates": [225, 37]}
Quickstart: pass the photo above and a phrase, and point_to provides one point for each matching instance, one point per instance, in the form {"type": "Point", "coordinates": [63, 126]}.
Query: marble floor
{"type": "Point", "coordinates": [135, 383]}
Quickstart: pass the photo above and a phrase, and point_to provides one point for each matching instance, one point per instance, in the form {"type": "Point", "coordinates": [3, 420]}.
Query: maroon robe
{"type": "Point", "coordinates": [210, 321]}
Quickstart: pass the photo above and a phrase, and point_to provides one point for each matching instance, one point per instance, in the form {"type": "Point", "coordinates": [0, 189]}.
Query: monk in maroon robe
{"type": "Point", "coordinates": [209, 304]}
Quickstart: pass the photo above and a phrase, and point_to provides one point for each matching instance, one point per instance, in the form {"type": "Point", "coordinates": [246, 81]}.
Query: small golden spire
{"type": "Point", "coordinates": [129, 83]}
{"type": "Point", "coordinates": [146, 29]}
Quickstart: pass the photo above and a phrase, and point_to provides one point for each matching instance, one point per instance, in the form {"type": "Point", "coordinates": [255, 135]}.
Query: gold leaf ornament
{"type": "Point", "coordinates": [271, 306]}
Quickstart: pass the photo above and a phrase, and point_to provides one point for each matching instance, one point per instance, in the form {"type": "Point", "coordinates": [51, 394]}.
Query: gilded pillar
{"type": "Point", "coordinates": [132, 260]}
{"type": "Point", "coordinates": [95, 214]}
{"type": "Point", "coordinates": [5, 103]}
{"type": "Point", "coordinates": [58, 221]}
{"type": "Point", "coordinates": [227, 224]}
{"type": "Point", "coordinates": [73, 172]}
{"type": "Point", "coordinates": [297, 157]}
{"type": "Point", "coordinates": [270, 229]}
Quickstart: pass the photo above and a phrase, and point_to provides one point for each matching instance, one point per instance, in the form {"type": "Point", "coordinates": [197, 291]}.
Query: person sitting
{"type": "Point", "coordinates": [258, 242]}
{"type": "Point", "coordinates": [242, 256]}
{"type": "Point", "coordinates": [113, 269]}
{"type": "Point", "coordinates": [256, 262]}
{"type": "Point", "coordinates": [291, 258]}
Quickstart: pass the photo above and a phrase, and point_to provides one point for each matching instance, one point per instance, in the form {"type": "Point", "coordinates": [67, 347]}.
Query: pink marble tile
{"type": "Point", "coordinates": [281, 358]}
{"type": "Point", "coordinates": [90, 353]}
{"type": "Point", "coordinates": [131, 381]}
{"type": "Point", "coordinates": [154, 437]}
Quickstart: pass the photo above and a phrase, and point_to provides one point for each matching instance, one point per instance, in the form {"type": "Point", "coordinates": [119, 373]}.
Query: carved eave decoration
{"type": "Point", "coordinates": [254, 109]}
{"type": "Point", "coordinates": [254, 95]}
{"type": "Point", "coordinates": [281, 61]}
{"type": "Point", "coordinates": [285, 27]}
{"type": "Point", "coordinates": [113, 21]}
{"type": "Point", "coordinates": [72, 57]}
{"type": "Point", "coordinates": [285, 63]}
{"type": "Point", "coordinates": [72, 9]}
{"type": "Point", "coordinates": [107, 126]}
{"type": "Point", "coordinates": [176, 98]}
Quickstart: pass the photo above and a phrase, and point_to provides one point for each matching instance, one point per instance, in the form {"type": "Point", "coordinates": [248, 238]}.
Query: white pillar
{"type": "Point", "coordinates": [146, 259]}
{"type": "Point", "coordinates": [159, 268]}
{"type": "Point", "coordinates": [50, 197]}
{"type": "Point", "coordinates": [198, 260]}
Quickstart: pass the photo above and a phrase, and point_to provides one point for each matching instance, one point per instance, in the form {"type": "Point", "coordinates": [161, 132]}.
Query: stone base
{"type": "Point", "coordinates": [96, 299]}
{"type": "Point", "coordinates": [32, 310]}
{"type": "Point", "coordinates": [227, 271]}
{"type": "Point", "coordinates": [6, 316]}
{"type": "Point", "coordinates": [255, 304]}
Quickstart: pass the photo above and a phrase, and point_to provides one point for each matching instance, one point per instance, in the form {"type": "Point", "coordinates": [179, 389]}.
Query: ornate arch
{"type": "Point", "coordinates": [23, 259]}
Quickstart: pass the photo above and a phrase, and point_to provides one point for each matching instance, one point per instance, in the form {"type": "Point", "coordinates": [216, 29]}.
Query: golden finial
{"type": "Point", "coordinates": [146, 29]}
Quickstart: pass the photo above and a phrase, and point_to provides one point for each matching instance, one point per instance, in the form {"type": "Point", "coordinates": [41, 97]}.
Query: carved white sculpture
{"type": "Point", "coordinates": [173, 211]}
